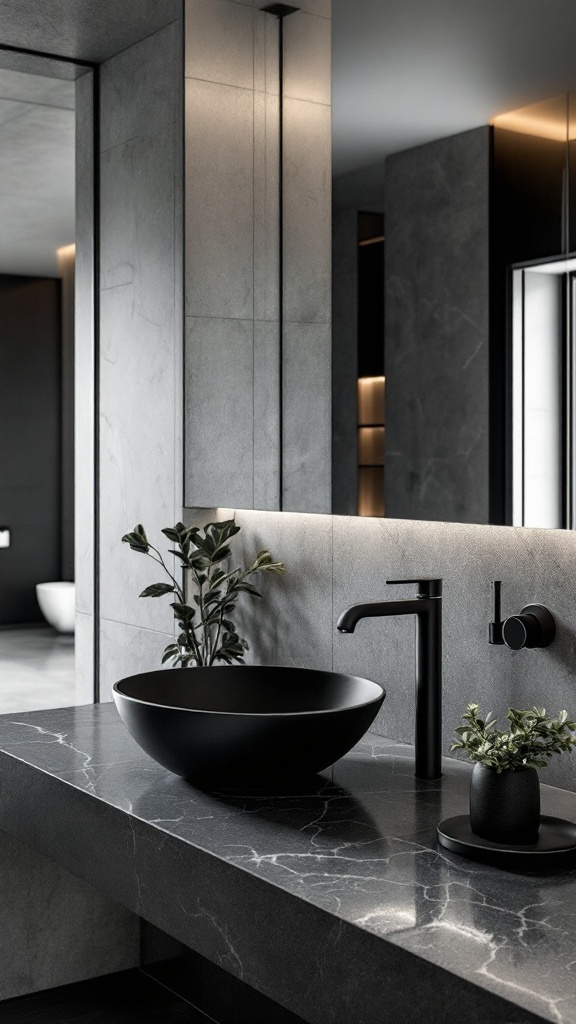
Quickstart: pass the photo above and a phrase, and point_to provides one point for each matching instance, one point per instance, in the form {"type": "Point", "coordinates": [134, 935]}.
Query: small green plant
{"type": "Point", "coordinates": [201, 552]}
{"type": "Point", "coordinates": [531, 740]}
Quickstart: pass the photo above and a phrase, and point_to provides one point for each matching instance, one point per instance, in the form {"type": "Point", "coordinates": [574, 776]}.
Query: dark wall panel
{"type": "Point", "coordinates": [30, 374]}
{"type": "Point", "coordinates": [436, 317]}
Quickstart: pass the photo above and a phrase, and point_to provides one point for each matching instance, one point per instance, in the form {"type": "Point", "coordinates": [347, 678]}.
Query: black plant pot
{"type": "Point", "coordinates": [505, 806]}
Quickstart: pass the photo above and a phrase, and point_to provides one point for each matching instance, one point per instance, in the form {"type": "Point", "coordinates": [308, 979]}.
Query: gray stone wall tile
{"type": "Point", "coordinates": [266, 415]}
{"type": "Point", "coordinates": [307, 212]}
{"type": "Point", "coordinates": [84, 659]}
{"type": "Point", "coordinates": [266, 62]}
{"type": "Point", "coordinates": [266, 208]}
{"type": "Point", "coordinates": [345, 362]}
{"type": "Point", "coordinates": [126, 650]}
{"type": "Point", "coordinates": [137, 373]}
{"type": "Point", "coordinates": [139, 89]}
{"type": "Point", "coordinates": [292, 624]}
{"type": "Point", "coordinates": [334, 562]}
{"type": "Point", "coordinates": [534, 565]}
{"type": "Point", "coordinates": [140, 347]}
{"type": "Point", "coordinates": [307, 357]}
{"type": "Point", "coordinates": [219, 42]}
{"type": "Point", "coordinates": [436, 310]}
{"type": "Point", "coordinates": [57, 929]}
{"type": "Point", "coordinates": [219, 388]}
{"type": "Point", "coordinates": [137, 224]}
{"type": "Point", "coordinates": [308, 58]}
{"type": "Point", "coordinates": [137, 453]}
{"type": "Point", "coordinates": [219, 201]}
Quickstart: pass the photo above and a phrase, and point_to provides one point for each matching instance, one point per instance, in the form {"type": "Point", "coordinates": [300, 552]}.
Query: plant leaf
{"type": "Point", "coordinates": [157, 590]}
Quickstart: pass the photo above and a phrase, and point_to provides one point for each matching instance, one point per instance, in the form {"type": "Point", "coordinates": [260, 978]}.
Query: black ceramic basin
{"type": "Point", "coordinates": [242, 724]}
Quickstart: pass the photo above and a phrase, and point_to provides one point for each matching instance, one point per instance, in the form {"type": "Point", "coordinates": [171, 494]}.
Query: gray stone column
{"type": "Point", "coordinates": [437, 212]}
{"type": "Point", "coordinates": [235, 356]}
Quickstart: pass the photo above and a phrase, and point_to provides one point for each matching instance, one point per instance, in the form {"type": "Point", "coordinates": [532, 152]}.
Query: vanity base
{"type": "Point", "coordinates": [555, 849]}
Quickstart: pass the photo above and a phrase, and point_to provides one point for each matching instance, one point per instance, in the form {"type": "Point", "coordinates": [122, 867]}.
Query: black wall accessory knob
{"type": "Point", "coordinates": [533, 627]}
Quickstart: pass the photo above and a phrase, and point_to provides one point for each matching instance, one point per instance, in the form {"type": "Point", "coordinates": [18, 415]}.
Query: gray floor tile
{"type": "Point", "coordinates": [36, 669]}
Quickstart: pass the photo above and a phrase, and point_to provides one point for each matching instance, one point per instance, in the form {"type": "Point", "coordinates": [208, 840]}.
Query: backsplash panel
{"type": "Point", "coordinates": [337, 561]}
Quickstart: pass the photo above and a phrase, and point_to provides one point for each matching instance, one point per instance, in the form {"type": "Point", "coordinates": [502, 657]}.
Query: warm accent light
{"type": "Point", "coordinates": [370, 491]}
{"type": "Point", "coordinates": [371, 446]}
{"type": "Point", "coordinates": [371, 435]}
{"type": "Point", "coordinates": [372, 241]}
{"type": "Point", "coordinates": [371, 401]}
{"type": "Point", "coordinates": [545, 120]}
{"type": "Point", "coordinates": [66, 251]}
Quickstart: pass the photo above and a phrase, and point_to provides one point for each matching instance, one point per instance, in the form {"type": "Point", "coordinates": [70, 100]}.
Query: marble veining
{"type": "Point", "coordinates": [360, 844]}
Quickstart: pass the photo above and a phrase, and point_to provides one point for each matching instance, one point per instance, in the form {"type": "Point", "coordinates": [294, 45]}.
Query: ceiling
{"type": "Point", "coordinates": [409, 71]}
{"type": "Point", "coordinates": [37, 168]}
{"type": "Point", "coordinates": [37, 129]}
{"type": "Point", "coordinates": [86, 30]}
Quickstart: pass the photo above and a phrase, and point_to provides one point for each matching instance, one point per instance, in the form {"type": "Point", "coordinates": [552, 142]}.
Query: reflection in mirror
{"type": "Point", "coordinates": [454, 234]}
{"type": "Point", "coordinates": [37, 260]}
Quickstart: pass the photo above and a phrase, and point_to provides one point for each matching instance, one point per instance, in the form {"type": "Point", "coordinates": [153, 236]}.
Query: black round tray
{"type": "Point", "coordinates": [555, 849]}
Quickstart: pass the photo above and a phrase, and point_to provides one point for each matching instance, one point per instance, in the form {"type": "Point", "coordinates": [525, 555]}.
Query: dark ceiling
{"type": "Point", "coordinates": [409, 71]}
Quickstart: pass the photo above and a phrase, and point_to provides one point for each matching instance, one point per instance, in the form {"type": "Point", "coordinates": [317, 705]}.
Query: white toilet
{"type": "Point", "coordinates": [58, 604]}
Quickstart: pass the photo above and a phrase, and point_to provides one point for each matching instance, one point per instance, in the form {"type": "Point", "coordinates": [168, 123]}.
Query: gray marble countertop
{"type": "Point", "coordinates": [360, 847]}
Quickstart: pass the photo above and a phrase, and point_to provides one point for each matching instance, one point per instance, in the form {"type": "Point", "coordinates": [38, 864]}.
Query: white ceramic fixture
{"type": "Point", "coordinates": [58, 604]}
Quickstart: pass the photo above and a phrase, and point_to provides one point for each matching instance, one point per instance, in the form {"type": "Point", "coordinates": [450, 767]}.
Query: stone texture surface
{"type": "Point", "coordinates": [84, 659]}
{"type": "Point", "coordinates": [126, 650]}
{"type": "Point", "coordinates": [56, 929]}
{"type": "Point", "coordinates": [333, 899]}
{"type": "Point", "coordinates": [307, 358]}
{"type": "Point", "coordinates": [293, 624]}
{"type": "Point", "coordinates": [233, 248]}
{"type": "Point", "coordinates": [308, 58]}
{"type": "Point", "coordinates": [90, 33]}
{"type": "Point", "coordinates": [266, 415]}
{"type": "Point", "coordinates": [140, 345]}
{"type": "Point", "coordinates": [266, 206]}
{"type": "Point", "coordinates": [137, 89]}
{"type": "Point", "coordinates": [219, 199]}
{"type": "Point", "coordinates": [307, 212]}
{"type": "Point", "coordinates": [219, 42]}
{"type": "Point", "coordinates": [536, 566]}
{"type": "Point", "coordinates": [344, 454]}
{"type": "Point", "coordinates": [436, 326]}
{"type": "Point", "coordinates": [219, 409]}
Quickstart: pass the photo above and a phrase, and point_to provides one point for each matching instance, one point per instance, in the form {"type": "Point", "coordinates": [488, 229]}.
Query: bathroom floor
{"type": "Point", "coordinates": [36, 669]}
{"type": "Point", "coordinates": [126, 998]}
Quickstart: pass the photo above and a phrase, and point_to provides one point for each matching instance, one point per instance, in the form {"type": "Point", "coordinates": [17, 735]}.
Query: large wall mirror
{"type": "Point", "coordinates": [454, 260]}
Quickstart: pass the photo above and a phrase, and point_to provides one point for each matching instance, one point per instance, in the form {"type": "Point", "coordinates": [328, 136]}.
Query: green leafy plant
{"type": "Point", "coordinates": [201, 552]}
{"type": "Point", "coordinates": [531, 740]}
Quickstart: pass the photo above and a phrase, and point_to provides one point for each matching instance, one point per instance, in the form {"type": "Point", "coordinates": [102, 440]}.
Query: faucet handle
{"type": "Point", "coordinates": [426, 587]}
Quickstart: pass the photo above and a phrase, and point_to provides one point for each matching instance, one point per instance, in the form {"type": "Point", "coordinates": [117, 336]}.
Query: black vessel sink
{"type": "Point", "coordinates": [242, 724]}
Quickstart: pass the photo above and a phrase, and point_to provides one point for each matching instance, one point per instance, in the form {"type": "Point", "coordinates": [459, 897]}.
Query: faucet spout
{"type": "Point", "coordinates": [427, 607]}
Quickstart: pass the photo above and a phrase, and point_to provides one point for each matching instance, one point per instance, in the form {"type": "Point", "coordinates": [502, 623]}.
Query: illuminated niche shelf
{"type": "Point", "coordinates": [371, 439]}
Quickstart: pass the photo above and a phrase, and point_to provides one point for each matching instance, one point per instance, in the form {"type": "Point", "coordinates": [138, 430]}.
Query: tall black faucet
{"type": "Point", "coordinates": [427, 607]}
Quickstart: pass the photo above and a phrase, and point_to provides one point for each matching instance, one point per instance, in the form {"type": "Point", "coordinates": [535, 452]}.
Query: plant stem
{"type": "Point", "coordinates": [160, 560]}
